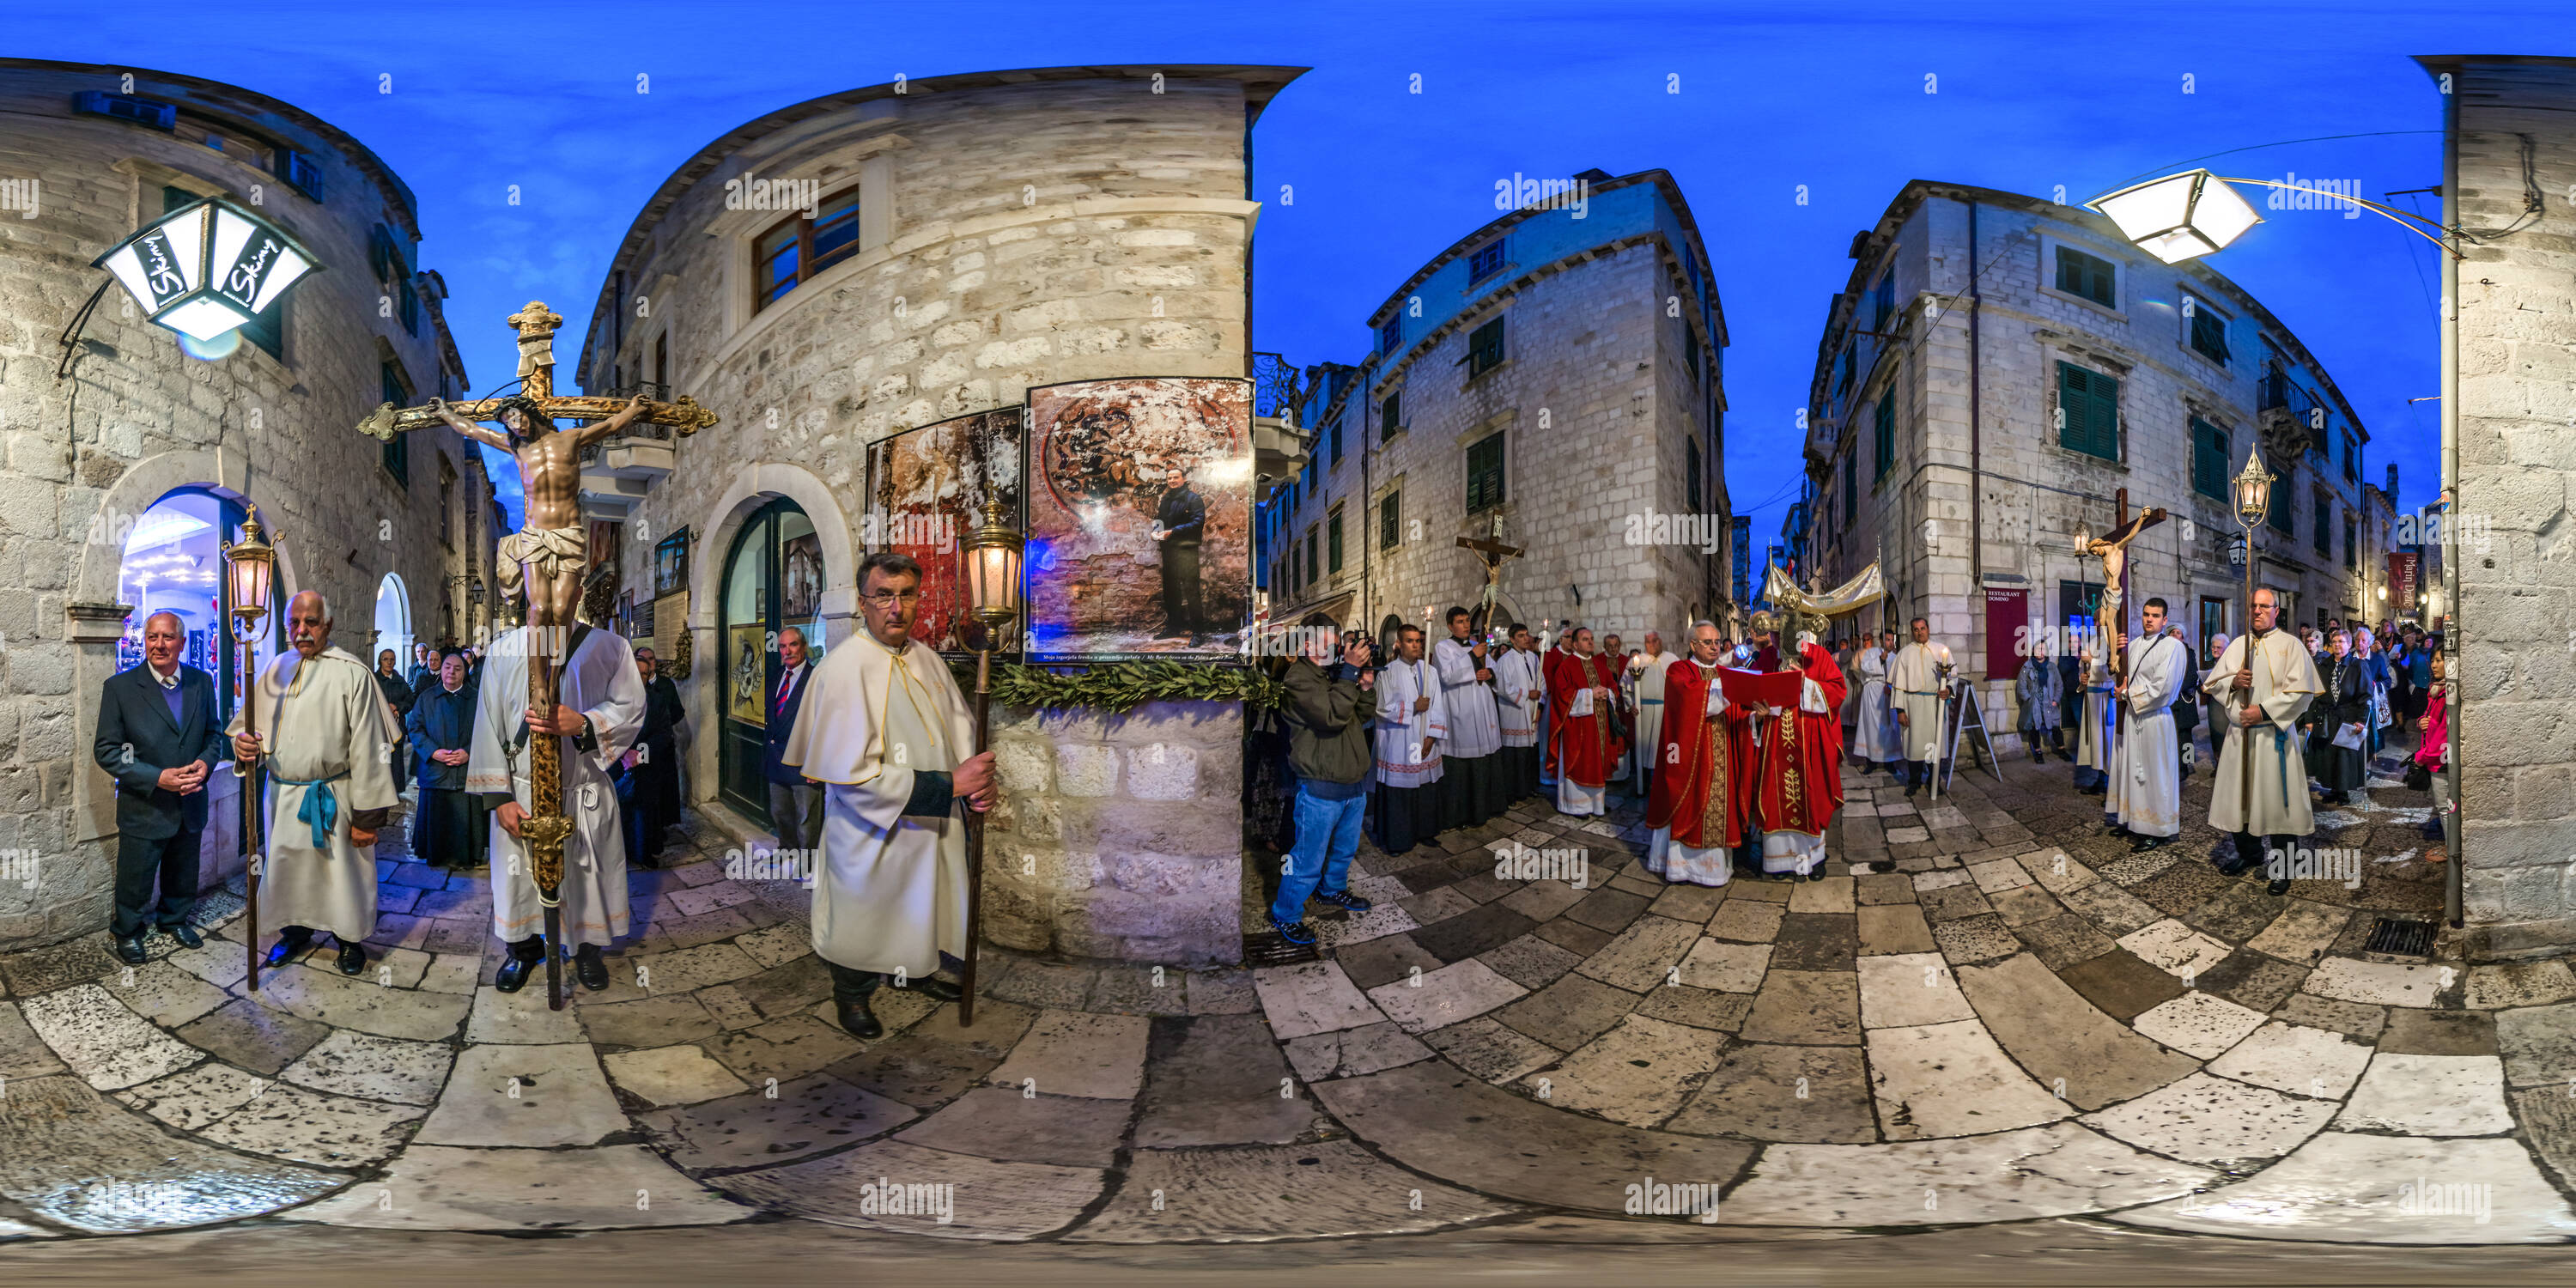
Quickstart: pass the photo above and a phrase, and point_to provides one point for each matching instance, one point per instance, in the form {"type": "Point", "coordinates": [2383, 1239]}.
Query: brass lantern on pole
{"type": "Point", "coordinates": [993, 554]}
{"type": "Point", "coordinates": [250, 568]}
{"type": "Point", "coordinates": [2253, 503]}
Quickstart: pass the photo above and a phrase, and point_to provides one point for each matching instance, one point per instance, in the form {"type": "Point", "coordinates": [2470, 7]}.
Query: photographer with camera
{"type": "Point", "coordinates": [1329, 704]}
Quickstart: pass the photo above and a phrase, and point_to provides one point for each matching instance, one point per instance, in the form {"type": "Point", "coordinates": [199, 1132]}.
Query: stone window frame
{"type": "Point", "coordinates": [2187, 316]}
{"type": "Point", "coordinates": [2046, 284]}
{"type": "Point", "coordinates": [1500, 348]}
{"type": "Point", "coordinates": [2099, 361]}
{"type": "Point", "coordinates": [807, 267]}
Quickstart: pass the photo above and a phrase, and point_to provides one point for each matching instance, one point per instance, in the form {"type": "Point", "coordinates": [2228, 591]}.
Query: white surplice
{"type": "Point", "coordinates": [2093, 740]}
{"type": "Point", "coordinates": [329, 737]}
{"type": "Point", "coordinates": [599, 680]}
{"type": "Point", "coordinates": [1475, 727]}
{"type": "Point", "coordinates": [1401, 761]}
{"type": "Point", "coordinates": [1648, 686]}
{"type": "Point", "coordinates": [1916, 676]}
{"type": "Point", "coordinates": [2145, 793]}
{"type": "Point", "coordinates": [1516, 676]}
{"type": "Point", "coordinates": [2285, 682]}
{"type": "Point", "coordinates": [890, 894]}
{"type": "Point", "coordinates": [1875, 737]}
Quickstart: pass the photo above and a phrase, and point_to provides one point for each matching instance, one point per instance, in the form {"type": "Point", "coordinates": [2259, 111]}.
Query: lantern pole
{"type": "Point", "coordinates": [2253, 503]}
{"type": "Point", "coordinates": [993, 565]}
{"type": "Point", "coordinates": [254, 556]}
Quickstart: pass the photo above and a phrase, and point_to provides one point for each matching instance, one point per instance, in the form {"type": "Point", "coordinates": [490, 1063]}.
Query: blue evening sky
{"type": "Point", "coordinates": [1771, 97]}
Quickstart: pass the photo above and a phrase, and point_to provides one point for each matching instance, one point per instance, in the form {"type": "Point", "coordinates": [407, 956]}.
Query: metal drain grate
{"type": "Point", "coordinates": [2401, 938]}
{"type": "Point", "coordinates": [1268, 949]}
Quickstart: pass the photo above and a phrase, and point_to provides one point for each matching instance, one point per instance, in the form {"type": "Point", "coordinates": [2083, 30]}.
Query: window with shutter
{"type": "Point", "coordinates": [1390, 416]}
{"type": "Point", "coordinates": [2208, 459]}
{"type": "Point", "coordinates": [1851, 488]}
{"type": "Point", "coordinates": [2278, 513]}
{"type": "Point", "coordinates": [1485, 473]}
{"type": "Point", "coordinates": [1487, 261]}
{"type": "Point", "coordinates": [2208, 331]}
{"type": "Point", "coordinates": [1883, 301]}
{"type": "Point", "coordinates": [1883, 435]}
{"type": "Point", "coordinates": [2088, 277]}
{"type": "Point", "coordinates": [1388, 530]}
{"type": "Point", "coordinates": [1333, 534]}
{"type": "Point", "coordinates": [1485, 348]}
{"type": "Point", "coordinates": [2088, 411]}
{"type": "Point", "coordinates": [2323, 537]}
{"type": "Point", "coordinates": [1690, 471]}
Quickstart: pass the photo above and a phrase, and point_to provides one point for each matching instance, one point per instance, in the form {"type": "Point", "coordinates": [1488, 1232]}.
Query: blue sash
{"type": "Point", "coordinates": [321, 808]}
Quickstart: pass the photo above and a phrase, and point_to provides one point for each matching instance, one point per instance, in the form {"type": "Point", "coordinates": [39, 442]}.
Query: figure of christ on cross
{"type": "Point", "coordinates": [2111, 624]}
{"type": "Point", "coordinates": [541, 564]}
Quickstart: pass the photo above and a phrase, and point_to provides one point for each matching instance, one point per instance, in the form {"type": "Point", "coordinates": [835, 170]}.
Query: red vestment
{"type": "Point", "coordinates": [1586, 751]}
{"type": "Point", "coordinates": [1704, 767]}
{"type": "Point", "coordinates": [1801, 783]}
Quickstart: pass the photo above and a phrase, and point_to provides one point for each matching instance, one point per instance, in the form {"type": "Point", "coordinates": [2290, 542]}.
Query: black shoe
{"type": "Point", "coordinates": [861, 1022]}
{"type": "Point", "coordinates": [590, 968]}
{"type": "Point", "coordinates": [1345, 900]}
{"type": "Point", "coordinates": [1910, 789]}
{"type": "Point", "coordinates": [935, 988]}
{"type": "Point", "coordinates": [186, 935]}
{"type": "Point", "coordinates": [2281, 886]}
{"type": "Point", "coordinates": [287, 949]}
{"type": "Point", "coordinates": [353, 958]}
{"type": "Point", "coordinates": [513, 974]}
{"type": "Point", "coordinates": [2142, 844]}
{"type": "Point", "coordinates": [1296, 933]}
{"type": "Point", "coordinates": [1817, 873]}
{"type": "Point", "coordinates": [129, 949]}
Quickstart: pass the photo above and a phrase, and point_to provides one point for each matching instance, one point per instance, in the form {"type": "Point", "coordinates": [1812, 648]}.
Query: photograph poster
{"type": "Point", "coordinates": [926, 491]}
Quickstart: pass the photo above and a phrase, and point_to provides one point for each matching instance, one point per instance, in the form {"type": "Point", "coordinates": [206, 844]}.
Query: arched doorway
{"type": "Point", "coordinates": [773, 579]}
{"type": "Point", "coordinates": [393, 622]}
{"type": "Point", "coordinates": [172, 562]}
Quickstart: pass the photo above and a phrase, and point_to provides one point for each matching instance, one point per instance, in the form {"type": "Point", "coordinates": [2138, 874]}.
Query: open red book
{"type": "Point", "coordinates": [1762, 688]}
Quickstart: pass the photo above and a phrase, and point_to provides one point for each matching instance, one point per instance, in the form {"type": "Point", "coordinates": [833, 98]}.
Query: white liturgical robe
{"type": "Point", "coordinates": [1401, 761]}
{"type": "Point", "coordinates": [2145, 793]}
{"type": "Point", "coordinates": [329, 739]}
{"type": "Point", "coordinates": [1523, 690]}
{"type": "Point", "coordinates": [1917, 676]}
{"type": "Point", "coordinates": [2285, 682]}
{"type": "Point", "coordinates": [1648, 688]}
{"type": "Point", "coordinates": [1475, 727]}
{"type": "Point", "coordinates": [599, 680]}
{"type": "Point", "coordinates": [890, 893]}
{"type": "Point", "coordinates": [2092, 740]}
{"type": "Point", "coordinates": [1875, 737]}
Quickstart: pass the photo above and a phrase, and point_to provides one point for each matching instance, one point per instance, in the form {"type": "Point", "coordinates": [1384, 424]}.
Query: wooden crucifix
{"type": "Point", "coordinates": [541, 564]}
{"type": "Point", "coordinates": [2111, 617]}
{"type": "Point", "coordinates": [1493, 552]}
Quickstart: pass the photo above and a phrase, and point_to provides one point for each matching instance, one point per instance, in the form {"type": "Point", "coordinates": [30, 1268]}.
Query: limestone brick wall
{"type": "Point", "coordinates": [2514, 667]}
{"type": "Point", "coordinates": [1012, 235]}
{"type": "Point", "coordinates": [138, 418]}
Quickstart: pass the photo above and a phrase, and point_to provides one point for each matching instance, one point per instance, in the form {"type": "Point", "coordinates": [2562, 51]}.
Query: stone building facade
{"type": "Point", "coordinates": [884, 258]}
{"type": "Point", "coordinates": [1559, 370]}
{"type": "Point", "coordinates": [1999, 368]}
{"type": "Point", "coordinates": [2509, 394]}
{"type": "Point", "coordinates": [88, 155]}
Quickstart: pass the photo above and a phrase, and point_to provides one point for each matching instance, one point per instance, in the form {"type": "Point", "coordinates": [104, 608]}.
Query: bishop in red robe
{"type": "Point", "coordinates": [1587, 744]}
{"type": "Point", "coordinates": [1702, 795]}
{"type": "Point", "coordinates": [1800, 785]}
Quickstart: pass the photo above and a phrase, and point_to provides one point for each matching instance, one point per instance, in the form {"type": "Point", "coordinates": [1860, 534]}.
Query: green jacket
{"type": "Point", "coordinates": [1328, 725]}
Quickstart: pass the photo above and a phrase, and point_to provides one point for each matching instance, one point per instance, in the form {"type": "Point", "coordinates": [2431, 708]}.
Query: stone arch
{"type": "Point", "coordinates": [400, 635]}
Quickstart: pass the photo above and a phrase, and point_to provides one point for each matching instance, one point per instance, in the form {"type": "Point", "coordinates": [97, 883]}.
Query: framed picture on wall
{"type": "Point", "coordinates": [800, 577]}
{"type": "Point", "coordinates": [671, 564]}
{"type": "Point", "coordinates": [743, 688]}
{"type": "Point", "coordinates": [926, 493]}
{"type": "Point", "coordinates": [1140, 518]}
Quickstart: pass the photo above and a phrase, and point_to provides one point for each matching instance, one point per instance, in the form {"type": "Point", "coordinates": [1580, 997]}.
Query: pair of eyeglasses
{"type": "Point", "coordinates": [888, 598]}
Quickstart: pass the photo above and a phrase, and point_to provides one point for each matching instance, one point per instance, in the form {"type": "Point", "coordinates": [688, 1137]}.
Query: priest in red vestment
{"type": "Point", "coordinates": [1582, 689]}
{"type": "Point", "coordinates": [1800, 783]}
{"type": "Point", "coordinates": [1704, 762]}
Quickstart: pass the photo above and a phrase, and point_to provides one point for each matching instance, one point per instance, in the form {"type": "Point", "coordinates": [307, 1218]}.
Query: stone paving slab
{"type": "Point", "coordinates": [2057, 1170]}
{"type": "Point", "coordinates": [2059, 1036]}
{"type": "Point", "coordinates": [1215, 1080]}
{"type": "Point", "coordinates": [1806, 1008]}
{"type": "Point", "coordinates": [2344, 1187]}
{"type": "Point", "coordinates": [756, 1129]}
{"type": "Point", "coordinates": [304, 1126]}
{"type": "Point", "coordinates": [526, 1097]}
{"type": "Point", "coordinates": [1435, 1119]}
{"type": "Point", "coordinates": [1315, 997]}
{"type": "Point", "coordinates": [195, 1096]}
{"type": "Point", "coordinates": [2317, 1063]}
{"type": "Point", "coordinates": [1642, 955]}
{"type": "Point", "coordinates": [2378, 983]}
{"type": "Point", "coordinates": [1952, 1080]}
{"type": "Point", "coordinates": [670, 1075]}
{"type": "Point", "coordinates": [350, 1063]}
{"type": "Point", "coordinates": [607, 1187]}
{"type": "Point", "coordinates": [2538, 1044]}
{"type": "Point", "coordinates": [989, 1200]}
{"type": "Point", "coordinates": [2198, 1024]}
{"type": "Point", "coordinates": [1330, 1189]}
{"type": "Point", "coordinates": [1909, 989]}
{"type": "Point", "coordinates": [1638, 1073]}
{"type": "Point", "coordinates": [1073, 1053]}
{"type": "Point", "coordinates": [102, 1040]}
{"type": "Point", "coordinates": [2429, 1095]}
{"type": "Point", "coordinates": [74, 1157]}
{"type": "Point", "coordinates": [1001, 1124]}
{"type": "Point", "coordinates": [22, 1053]}
{"type": "Point", "coordinates": [329, 997]}
{"type": "Point", "coordinates": [2214, 1121]}
{"type": "Point", "coordinates": [1486, 1048]}
{"type": "Point", "coordinates": [1348, 1053]}
{"type": "Point", "coordinates": [1462, 990]}
{"type": "Point", "coordinates": [1784, 1093]}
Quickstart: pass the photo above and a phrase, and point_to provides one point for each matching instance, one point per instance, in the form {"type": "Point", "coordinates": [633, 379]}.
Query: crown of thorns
{"type": "Point", "coordinates": [535, 411]}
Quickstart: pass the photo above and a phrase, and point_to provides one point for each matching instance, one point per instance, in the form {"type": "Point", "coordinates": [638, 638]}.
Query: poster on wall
{"type": "Point", "coordinates": [1140, 508]}
{"type": "Point", "coordinates": [671, 564]}
{"type": "Point", "coordinates": [926, 492]}
{"type": "Point", "coordinates": [800, 577]}
{"type": "Point", "coordinates": [750, 673]}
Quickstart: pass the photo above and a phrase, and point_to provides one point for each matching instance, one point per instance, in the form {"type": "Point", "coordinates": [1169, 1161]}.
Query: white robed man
{"type": "Point", "coordinates": [1471, 773]}
{"type": "Point", "coordinates": [2093, 736]}
{"type": "Point", "coordinates": [599, 711]}
{"type": "Point", "coordinates": [2145, 796]}
{"type": "Point", "coordinates": [2257, 691]}
{"type": "Point", "coordinates": [328, 736]}
{"type": "Point", "coordinates": [1876, 741]}
{"type": "Point", "coordinates": [1412, 722]}
{"type": "Point", "coordinates": [890, 737]}
{"type": "Point", "coordinates": [1647, 687]}
{"type": "Point", "coordinates": [1520, 695]}
{"type": "Point", "coordinates": [1920, 676]}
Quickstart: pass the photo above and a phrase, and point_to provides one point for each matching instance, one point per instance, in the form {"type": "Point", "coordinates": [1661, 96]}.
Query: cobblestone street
{"type": "Point", "coordinates": [2017, 1019]}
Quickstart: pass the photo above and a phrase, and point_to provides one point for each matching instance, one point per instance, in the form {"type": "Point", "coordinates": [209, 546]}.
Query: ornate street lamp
{"type": "Point", "coordinates": [2253, 503]}
{"type": "Point", "coordinates": [207, 268]}
{"type": "Point", "coordinates": [2195, 213]}
{"type": "Point", "coordinates": [993, 568]}
{"type": "Point", "coordinates": [250, 567]}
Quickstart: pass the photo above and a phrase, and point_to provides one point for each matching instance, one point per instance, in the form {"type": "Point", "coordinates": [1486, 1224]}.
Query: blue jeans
{"type": "Point", "coordinates": [1328, 834]}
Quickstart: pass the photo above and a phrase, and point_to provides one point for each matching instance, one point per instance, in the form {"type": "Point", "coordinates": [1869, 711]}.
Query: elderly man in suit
{"type": "Point", "coordinates": [795, 801]}
{"type": "Point", "coordinates": [159, 739]}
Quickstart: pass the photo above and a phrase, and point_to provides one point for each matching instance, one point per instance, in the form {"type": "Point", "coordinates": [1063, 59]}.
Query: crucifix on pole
{"type": "Point", "coordinates": [1492, 552]}
{"type": "Point", "coordinates": [541, 564]}
{"type": "Point", "coordinates": [2111, 618]}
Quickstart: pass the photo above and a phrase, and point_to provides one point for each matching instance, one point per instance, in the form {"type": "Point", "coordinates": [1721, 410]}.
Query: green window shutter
{"type": "Point", "coordinates": [1883, 435]}
{"type": "Point", "coordinates": [2208, 459]}
{"type": "Point", "coordinates": [1388, 529]}
{"type": "Point", "coordinates": [1485, 473]}
{"type": "Point", "coordinates": [1333, 558]}
{"type": "Point", "coordinates": [2278, 514]}
{"type": "Point", "coordinates": [2089, 404]}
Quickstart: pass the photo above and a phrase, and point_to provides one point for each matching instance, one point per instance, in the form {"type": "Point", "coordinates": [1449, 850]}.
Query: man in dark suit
{"type": "Point", "coordinates": [158, 738]}
{"type": "Point", "coordinates": [1179, 522]}
{"type": "Point", "coordinates": [2186, 706]}
{"type": "Point", "coordinates": [649, 773]}
{"type": "Point", "coordinates": [795, 801]}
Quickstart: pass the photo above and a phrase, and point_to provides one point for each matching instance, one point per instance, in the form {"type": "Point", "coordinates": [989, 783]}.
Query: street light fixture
{"type": "Point", "coordinates": [250, 565]}
{"type": "Point", "coordinates": [993, 567]}
{"type": "Point", "coordinates": [2195, 213]}
{"type": "Point", "coordinates": [206, 268]}
{"type": "Point", "coordinates": [2253, 504]}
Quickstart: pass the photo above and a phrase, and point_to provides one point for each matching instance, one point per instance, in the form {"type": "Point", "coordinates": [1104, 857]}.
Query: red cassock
{"type": "Point", "coordinates": [1704, 768]}
{"type": "Point", "coordinates": [1548, 663]}
{"type": "Point", "coordinates": [1801, 783]}
{"type": "Point", "coordinates": [1585, 749]}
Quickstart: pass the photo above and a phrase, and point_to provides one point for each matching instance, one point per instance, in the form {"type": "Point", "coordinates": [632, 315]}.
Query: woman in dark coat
{"type": "Point", "coordinates": [2344, 700]}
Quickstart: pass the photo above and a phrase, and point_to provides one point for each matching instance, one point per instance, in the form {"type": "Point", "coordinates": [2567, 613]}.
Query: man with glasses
{"type": "Point", "coordinates": [892, 740]}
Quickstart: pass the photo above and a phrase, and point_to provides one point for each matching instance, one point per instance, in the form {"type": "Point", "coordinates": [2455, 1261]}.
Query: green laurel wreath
{"type": "Point", "coordinates": [1123, 686]}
